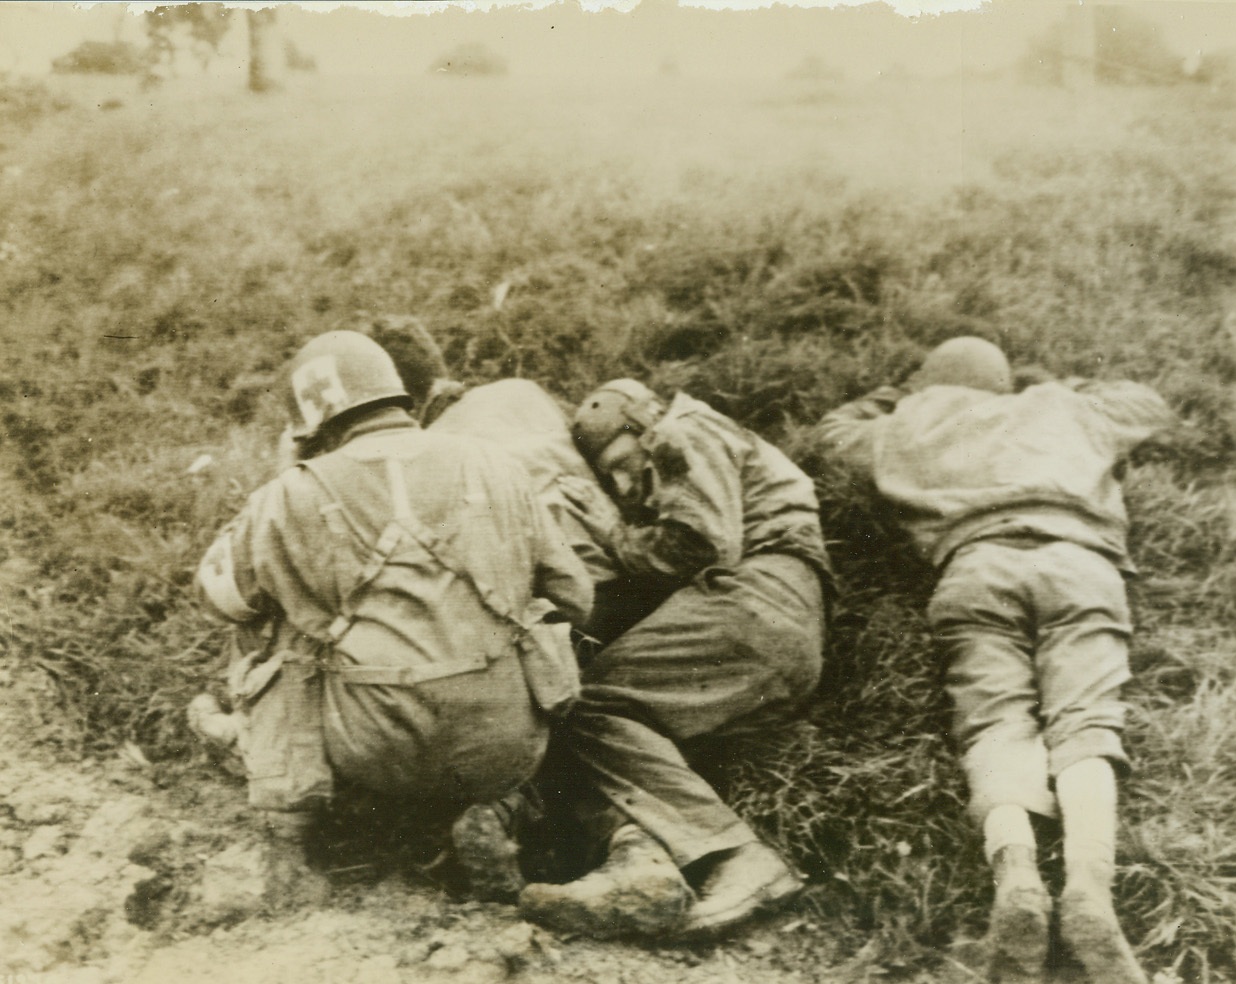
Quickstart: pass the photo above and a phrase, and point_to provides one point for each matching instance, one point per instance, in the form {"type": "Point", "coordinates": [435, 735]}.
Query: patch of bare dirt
{"type": "Point", "coordinates": [123, 871]}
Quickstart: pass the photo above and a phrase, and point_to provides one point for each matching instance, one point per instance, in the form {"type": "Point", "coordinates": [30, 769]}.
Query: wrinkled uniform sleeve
{"type": "Point", "coordinates": [227, 580]}
{"type": "Point", "coordinates": [848, 432]}
{"type": "Point", "coordinates": [1135, 411]}
{"type": "Point", "coordinates": [666, 548]}
{"type": "Point", "coordinates": [560, 575]}
{"type": "Point", "coordinates": [696, 497]}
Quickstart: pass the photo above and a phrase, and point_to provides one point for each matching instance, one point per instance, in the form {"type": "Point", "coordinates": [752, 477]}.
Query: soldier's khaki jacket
{"type": "Point", "coordinates": [529, 425]}
{"type": "Point", "coordinates": [962, 464]}
{"type": "Point", "coordinates": [736, 494]}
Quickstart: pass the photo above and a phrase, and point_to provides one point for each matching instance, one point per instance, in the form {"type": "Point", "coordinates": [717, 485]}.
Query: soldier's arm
{"type": "Point", "coordinates": [846, 432]}
{"type": "Point", "coordinates": [226, 583]}
{"type": "Point", "coordinates": [1136, 411]}
{"type": "Point", "coordinates": [695, 502]}
{"type": "Point", "coordinates": [559, 575]}
{"type": "Point", "coordinates": [665, 548]}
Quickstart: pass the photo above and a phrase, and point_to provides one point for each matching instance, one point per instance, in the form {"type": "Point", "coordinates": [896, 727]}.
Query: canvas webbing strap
{"type": "Point", "coordinates": [405, 522]}
{"type": "Point", "coordinates": [399, 490]}
{"type": "Point", "coordinates": [434, 546]}
{"type": "Point", "coordinates": [386, 545]}
{"type": "Point", "coordinates": [408, 676]}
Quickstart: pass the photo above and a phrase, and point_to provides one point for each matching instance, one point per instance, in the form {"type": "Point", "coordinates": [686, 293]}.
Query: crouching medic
{"type": "Point", "coordinates": [409, 606]}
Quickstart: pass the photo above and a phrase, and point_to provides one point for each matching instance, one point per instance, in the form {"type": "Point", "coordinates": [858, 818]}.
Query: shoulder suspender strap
{"type": "Point", "coordinates": [386, 545]}
{"type": "Point", "coordinates": [405, 522]}
{"type": "Point", "coordinates": [434, 546]}
{"type": "Point", "coordinates": [381, 553]}
{"type": "Point", "coordinates": [399, 489]}
{"type": "Point", "coordinates": [437, 549]}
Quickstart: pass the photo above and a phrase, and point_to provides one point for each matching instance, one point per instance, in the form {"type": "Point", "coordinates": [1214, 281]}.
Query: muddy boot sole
{"type": "Point", "coordinates": [1091, 931]}
{"type": "Point", "coordinates": [488, 855]}
{"type": "Point", "coordinates": [1017, 939]}
{"type": "Point", "coordinates": [637, 892]}
{"type": "Point", "coordinates": [652, 908]}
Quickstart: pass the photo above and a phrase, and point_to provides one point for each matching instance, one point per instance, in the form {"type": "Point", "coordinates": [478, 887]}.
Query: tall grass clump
{"type": "Point", "coordinates": [772, 257]}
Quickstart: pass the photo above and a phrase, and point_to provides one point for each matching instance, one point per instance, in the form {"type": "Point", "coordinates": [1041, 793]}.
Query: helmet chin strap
{"type": "Point", "coordinates": [309, 446]}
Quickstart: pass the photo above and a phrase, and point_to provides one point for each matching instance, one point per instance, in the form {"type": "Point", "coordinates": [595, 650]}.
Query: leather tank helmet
{"type": "Point", "coordinates": [620, 406]}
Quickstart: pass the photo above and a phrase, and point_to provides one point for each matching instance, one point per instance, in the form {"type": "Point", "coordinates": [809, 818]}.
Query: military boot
{"type": "Point", "coordinates": [739, 883]}
{"type": "Point", "coordinates": [638, 891]}
{"type": "Point", "coordinates": [1017, 936]}
{"type": "Point", "coordinates": [487, 850]}
{"type": "Point", "coordinates": [1089, 928]}
{"type": "Point", "coordinates": [288, 879]}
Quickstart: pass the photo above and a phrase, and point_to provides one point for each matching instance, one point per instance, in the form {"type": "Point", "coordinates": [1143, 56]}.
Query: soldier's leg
{"type": "Point", "coordinates": [728, 652]}
{"type": "Point", "coordinates": [465, 744]}
{"type": "Point", "coordinates": [266, 697]}
{"type": "Point", "coordinates": [1083, 662]}
{"type": "Point", "coordinates": [982, 623]}
{"type": "Point", "coordinates": [731, 652]}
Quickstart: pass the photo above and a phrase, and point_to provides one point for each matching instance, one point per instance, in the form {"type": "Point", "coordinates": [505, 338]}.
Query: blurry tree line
{"type": "Point", "coordinates": [199, 29]}
{"type": "Point", "coordinates": [1093, 43]}
{"type": "Point", "coordinates": [195, 29]}
{"type": "Point", "coordinates": [1111, 45]}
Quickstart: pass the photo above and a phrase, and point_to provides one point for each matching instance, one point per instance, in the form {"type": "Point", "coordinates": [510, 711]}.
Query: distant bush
{"type": "Point", "coordinates": [813, 68]}
{"type": "Point", "coordinates": [1132, 51]}
{"type": "Point", "coordinates": [22, 102]}
{"type": "Point", "coordinates": [296, 60]}
{"type": "Point", "coordinates": [469, 59]}
{"type": "Point", "coordinates": [102, 58]}
{"type": "Point", "coordinates": [1217, 69]}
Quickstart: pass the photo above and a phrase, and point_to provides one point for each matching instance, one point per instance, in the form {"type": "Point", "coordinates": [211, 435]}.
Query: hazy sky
{"type": "Point", "coordinates": [624, 36]}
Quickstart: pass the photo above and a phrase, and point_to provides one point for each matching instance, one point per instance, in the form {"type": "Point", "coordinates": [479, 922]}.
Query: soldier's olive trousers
{"type": "Point", "coordinates": [465, 738]}
{"type": "Point", "coordinates": [735, 651]}
{"type": "Point", "coordinates": [1036, 636]}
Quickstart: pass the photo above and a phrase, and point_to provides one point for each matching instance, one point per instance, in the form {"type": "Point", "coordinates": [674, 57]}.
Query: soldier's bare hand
{"type": "Point", "coordinates": [592, 507]}
{"type": "Point", "coordinates": [578, 492]}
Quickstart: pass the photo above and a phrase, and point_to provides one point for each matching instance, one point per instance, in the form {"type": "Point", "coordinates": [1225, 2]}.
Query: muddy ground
{"type": "Point", "coordinates": [120, 870]}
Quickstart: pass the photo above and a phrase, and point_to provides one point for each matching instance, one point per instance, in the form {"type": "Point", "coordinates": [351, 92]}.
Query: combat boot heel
{"type": "Point", "coordinates": [1017, 936]}
{"type": "Point", "coordinates": [638, 891]}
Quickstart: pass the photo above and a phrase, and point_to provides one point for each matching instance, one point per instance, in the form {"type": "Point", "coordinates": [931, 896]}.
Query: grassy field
{"type": "Point", "coordinates": [771, 249]}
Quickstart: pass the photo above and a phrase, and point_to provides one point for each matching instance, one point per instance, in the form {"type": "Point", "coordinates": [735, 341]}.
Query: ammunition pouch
{"type": "Point", "coordinates": [281, 740]}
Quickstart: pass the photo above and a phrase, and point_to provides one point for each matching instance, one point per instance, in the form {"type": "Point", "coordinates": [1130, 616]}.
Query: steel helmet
{"type": "Point", "coordinates": [621, 405]}
{"type": "Point", "coordinates": [336, 372]}
{"type": "Point", "coordinates": [965, 361]}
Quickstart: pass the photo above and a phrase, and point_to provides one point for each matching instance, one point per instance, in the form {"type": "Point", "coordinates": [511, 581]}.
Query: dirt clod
{"type": "Point", "coordinates": [44, 842]}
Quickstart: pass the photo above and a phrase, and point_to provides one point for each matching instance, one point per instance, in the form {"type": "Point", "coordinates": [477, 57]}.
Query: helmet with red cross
{"type": "Point", "coordinates": [336, 372]}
